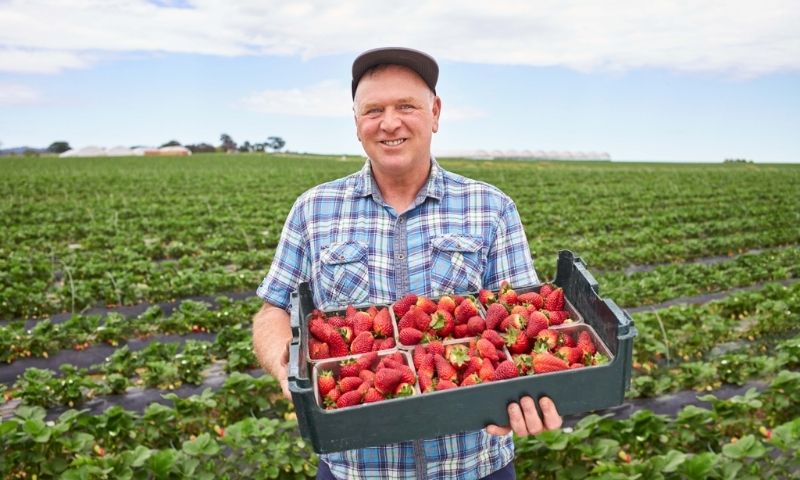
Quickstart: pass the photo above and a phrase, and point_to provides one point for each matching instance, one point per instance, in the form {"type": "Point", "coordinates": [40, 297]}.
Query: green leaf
{"type": "Point", "coordinates": [37, 430]}
{"type": "Point", "coordinates": [672, 460]}
{"type": "Point", "coordinates": [8, 427]}
{"type": "Point", "coordinates": [162, 463]}
{"type": "Point", "coordinates": [138, 456]}
{"type": "Point", "coordinates": [747, 446]}
{"type": "Point", "coordinates": [699, 466]}
{"type": "Point", "coordinates": [202, 445]}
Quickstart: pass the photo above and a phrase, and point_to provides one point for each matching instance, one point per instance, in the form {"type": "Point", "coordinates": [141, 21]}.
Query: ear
{"type": "Point", "coordinates": [355, 121]}
{"type": "Point", "coordinates": [437, 110]}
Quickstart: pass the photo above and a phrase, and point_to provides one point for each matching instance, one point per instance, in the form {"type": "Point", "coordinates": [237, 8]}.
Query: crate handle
{"type": "Point", "coordinates": [295, 372]}
{"type": "Point", "coordinates": [632, 332]}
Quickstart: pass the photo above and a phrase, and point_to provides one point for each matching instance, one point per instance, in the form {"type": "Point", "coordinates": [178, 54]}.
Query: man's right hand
{"type": "Point", "coordinates": [271, 337]}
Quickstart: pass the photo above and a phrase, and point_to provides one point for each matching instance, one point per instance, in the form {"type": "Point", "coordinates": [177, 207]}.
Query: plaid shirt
{"type": "Point", "coordinates": [459, 236]}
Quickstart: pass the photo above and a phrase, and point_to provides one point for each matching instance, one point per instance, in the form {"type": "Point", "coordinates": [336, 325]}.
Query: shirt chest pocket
{"type": "Point", "coordinates": [344, 273]}
{"type": "Point", "coordinates": [456, 264]}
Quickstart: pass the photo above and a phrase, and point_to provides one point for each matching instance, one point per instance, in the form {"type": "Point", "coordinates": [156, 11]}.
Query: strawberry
{"type": "Point", "coordinates": [457, 355]}
{"type": "Point", "coordinates": [547, 338]}
{"type": "Point", "coordinates": [318, 350]}
{"type": "Point", "coordinates": [472, 379]}
{"type": "Point", "coordinates": [418, 354]}
{"type": "Point", "coordinates": [531, 298]}
{"type": "Point", "coordinates": [521, 309]}
{"type": "Point", "coordinates": [385, 344]}
{"type": "Point", "coordinates": [426, 305]}
{"type": "Point", "coordinates": [465, 310]}
{"type": "Point", "coordinates": [555, 300]}
{"type": "Point", "coordinates": [537, 321]}
{"type": "Point", "coordinates": [567, 340]}
{"type": "Point", "coordinates": [486, 297]}
{"type": "Point", "coordinates": [524, 363]}
{"type": "Point", "coordinates": [597, 359]}
{"type": "Point", "coordinates": [382, 324]}
{"type": "Point", "coordinates": [349, 368]}
{"type": "Point", "coordinates": [348, 399]}
{"type": "Point", "coordinates": [387, 379]}
{"type": "Point", "coordinates": [363, 342]}
{"type": "Point", "coordinates": [515, 320]}
{"type": "Point", "coordinates": [373, 311]}
{"type": "Point", "coordinates": [585, 343]}
{"type": "Point", "coordinates": [365, 361]}
{"type": "Point", "coordinates": [325, 382]}
{"type": "Point", "coordinates": [444, 384]}
{"type": "Point", "coordinates": [447, 304]}
{"type": "Point", "coordinates": [406, 321]}
{"type": "Point", "coordinates": [337, 321]}
{"type": "Point", "coordinates": [486, 373]}
{"type": "Point", "coordinates": [495, 314]}
{"type": "Point", "coordinates": [373, 395]}
{"type": "Point", "coordinates": [427, 366]}
{"type": "Point", "coordinates": [426, 384]}
{"type": "Point", "coordinates": [473, 366]}
{"type": "Point", "coordinates": [401, 306]}
{"type": "Point", "coordinates": [493, 337]}
{"type": "Point", "coordinates": [517, 341]}
{"type": "Point", "coordinates": [349, 312]}
{"type": "Point", "coordinates": [487, 350]}
{"type": "Point", "coordinates": [337, 346]}
{"type": "Point", "coordinates": [408, 375]}
{"type": "Point", "coordinates": [410, 336]}
{"type": "Point", "coordinates": [347, 333]}
{"type": "Point", "coordinates": [458, 299]}
{"type": "Point", "coordinates": [362, 322]}
{"type": "Point", "coordinates": [507, 294]}
{"type": "Point", "coordinates": [547, 362]}
{"type": "Point", "coordinates": [576, 365]}
{"type": "Point", "coordinates": [570, 354]}
{"type": "Point", "coordinates": [558, 317]}
{"type": "Point", "coordinates": [320, 329]}
{"type": "Point", "coordinates": [476, 325]}
{"type": "Point", "coordinates": [348, 384]}
{"type": "Point", "coordinates": [422, 320]}
{"type": "Point", "coordinates": [461, 331]}
{"type": "Point", "coordinates": [505, 370]}
{"type": "Point", "coordinates": [545, 290]}
{"type": "Point", "coordinates": [435, 347]}
{"type": "Point", "coordinates": [331, 398]}
{"type": "Point", "coordinates": [444, 370]}
{"type": "Point", "coordinates": [404, 389]}
{"type": "Point", "coordinates": [397, 356]}
{"type": "Point", "coordinates": [442, 323]}
{"type": "Point", "coordinates": [367, 375]}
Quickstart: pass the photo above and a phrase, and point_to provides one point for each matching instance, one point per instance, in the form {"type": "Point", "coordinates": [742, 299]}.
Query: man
{"type": "Point", "coordinates": [402, 224]}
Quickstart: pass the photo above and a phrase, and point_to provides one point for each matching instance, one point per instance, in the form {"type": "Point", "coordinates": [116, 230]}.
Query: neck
{"type": "Point", "coordinates": [400, 190]}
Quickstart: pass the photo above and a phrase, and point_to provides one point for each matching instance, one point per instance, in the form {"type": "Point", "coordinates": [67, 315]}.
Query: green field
{"type": "Point", "coordinates": [83, 237]}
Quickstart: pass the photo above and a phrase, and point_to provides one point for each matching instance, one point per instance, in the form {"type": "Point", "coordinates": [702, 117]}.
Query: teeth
{"type": "Point", "coordinates": [392, 143]}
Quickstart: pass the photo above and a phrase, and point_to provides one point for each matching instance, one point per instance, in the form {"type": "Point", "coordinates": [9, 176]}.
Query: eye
{"type": "Point", "coordinates": [406, 106]}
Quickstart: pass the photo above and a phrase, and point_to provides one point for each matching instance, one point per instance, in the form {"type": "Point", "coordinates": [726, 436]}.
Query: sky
{"type": "Point", "coordinates": [656, 81]}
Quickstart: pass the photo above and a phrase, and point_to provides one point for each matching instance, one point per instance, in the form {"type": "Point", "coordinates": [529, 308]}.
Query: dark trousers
{"type": "Point", "coordinates": [505, 473]}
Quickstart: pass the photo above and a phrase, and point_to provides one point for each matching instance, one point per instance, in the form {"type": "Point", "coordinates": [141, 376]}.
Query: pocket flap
{"type": "Point", "coordinates": [457, 243]}
{"type": "Point", "coordinates": [343, 252]}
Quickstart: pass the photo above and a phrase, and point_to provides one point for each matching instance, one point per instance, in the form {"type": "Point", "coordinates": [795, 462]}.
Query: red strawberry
{"type": "Point", "coordinates": [566, 339]}
{"type": "Point", "coordinates": [557, 317]}
{"type": "Point", "coordinates": [325, 382]}
{"type": "Point", "coordinates": [442, 323]}
{"type": "Point", "coordinates": [318, 350]}
{"type": "Point", "coordinates": [348, 399]}
{"type": "Point", "coordinates": [493, 337]}
{"type": "Point", "coordinates": [487, 350]}
{"type": "Point", "coordinates": [486, 297]}
{"type": "Point", "coordinates": [367, 375]}
{"type": "Point", "coordinates": [426, 384]}
{"type": "Point", "coordinates": [373, 395]}
{"type": "Point", "coordinates": [337, 321]}
{"type": "Point", "coordinates": [576, 365]}
{"type": "Point", "coordinates": [531, 298]}
{"type": "Point", "coordinates": [366, 360]}
{"type": "Point", "coordinates": [387, 379]}
{"type": "Point", "coordinates": [585, 343]}
{"type": "Point", "coordinates": [410, 336]}
{"type": "Point", "coordinates": [447, 304]}
{"type": "Point", "coordinates": [373, 311]}
{"type": "Point", "coordinates": [435, 347]}
{"type": "Point", "coordinates": [337, 346]}
{"type": "Point", "coordinates": [517, 341]}
{"type": "Point", "coordinates": [408, 374]}
{"type": "Point", "coordinates": [547, 338]}
{"type": "Point", "coordinates": [426, 305]}
{"type": "Point", "coordinates": [495, 314]}
{"type": "Point", "coordinates": [458, 299]}
{"type": "Point", "coordinates": [386, 343]}
{"type": "Point", "coordinates": [362, 322]}
{"type": "Point", "coordinates": [465, 310]}
{"type": "Point", "coordinates": [320, 329]}
{"type": "Point", "coordinates": [461, 331]}
{"type": "Point", "coordinates": [505, 370]}
{"type": "Point", "coordinates": [457, 355]}
{"type": "Point", "coordinates": [570, 354]}
{"type": "Point", "coordinates": [347, 333]}
{"type": "Point", "coordinates": [555, 300]}
{"type": "Point", "coordinates": [397, 356]}
{"type": "Point", "coordinates": [444, 384]}
{"type": "Point", "coordinates": [507, 294]}
{"type": "Point", "coordinates": [547, 362]}
{"type": "Point", "coordinates": [486, 373]}
{"type": "Point", "coordinates": [524, 363]}
{"type": "Point", "coordinates": [362, 343]}
{"type": "Point", "coordinates": [476, 325]}
{"type": "Point", "coordinates": [418, 354]}
{"type": "Point", "coordinates": [404, 389]}
{"type": "Point", "coordinates": [349, 312]}
{"type": "Point", "coordinates": [473, 366]}
{"type": "Point", "coordinates": [401, 306]}
{"type": "Point", "coordinates": [349, 368]}
{"type": "Point", "coordinates": [444, 370]}
{"type": "Point", "coordinates": [521, 309]}
{"type": "Point", "coordinates": [537, 322]}
{"type": "Point", "coordinates": [515, 320]}
{"type": "Point", "coordinates": [348, 384]}
{"type": "Point", "coordinates": [427, 366]}
{"type": "Point", "coordinates": [472, 379]}
{"type": "Point", "coordinates": [407, 321]}
{"type": "Point", "coordinates": [331, 397]}
{"type": "Point", "coordinates": [382, 323]}
{"type": "Point", "coordinates": [545, 290]}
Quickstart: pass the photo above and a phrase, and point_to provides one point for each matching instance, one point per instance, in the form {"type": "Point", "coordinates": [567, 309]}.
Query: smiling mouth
{"type": "Point", "coordinates": [393, 143]}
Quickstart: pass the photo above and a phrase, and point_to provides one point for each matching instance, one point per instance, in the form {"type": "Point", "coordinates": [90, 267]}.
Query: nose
{"type": "Point", "coordinates": [390, 120]}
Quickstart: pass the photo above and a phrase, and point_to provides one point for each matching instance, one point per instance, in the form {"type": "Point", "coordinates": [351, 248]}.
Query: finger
{"type": "Point", "coordinates": [517, 421]}
{"type": "Point", "coordinates": [497, 430]}
{"type": "Point", "coordinates": [552, 420]}
{"type": "Point", "coordinates": [532, 420]}
{"type": "Point", "coordinates": [285, 389]}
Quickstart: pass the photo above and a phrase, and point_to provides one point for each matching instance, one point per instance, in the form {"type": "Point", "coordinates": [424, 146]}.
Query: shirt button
{"type": "Point", "coordinates": [400, 256]}
{"type": "Point", "coordinates": [401, 220]}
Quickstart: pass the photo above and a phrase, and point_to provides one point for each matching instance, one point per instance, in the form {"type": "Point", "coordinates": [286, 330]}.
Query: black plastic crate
{"type": "Point", "coordinates": [467, 408]}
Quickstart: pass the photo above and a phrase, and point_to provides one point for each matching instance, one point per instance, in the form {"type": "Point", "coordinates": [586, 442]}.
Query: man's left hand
{"type": "Point", "coordinates": [525, 419]}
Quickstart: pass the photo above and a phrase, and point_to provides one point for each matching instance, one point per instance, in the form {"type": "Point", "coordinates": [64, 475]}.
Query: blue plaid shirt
{"type": "Point", "coordinates": [459, 236]}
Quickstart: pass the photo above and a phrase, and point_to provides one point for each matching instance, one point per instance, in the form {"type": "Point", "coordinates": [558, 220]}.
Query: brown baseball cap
{"type": "Point", "coordinates": [422, 63]}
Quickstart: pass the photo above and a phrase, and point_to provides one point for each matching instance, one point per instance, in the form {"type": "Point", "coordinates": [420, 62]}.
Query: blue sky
{"type": "Point", "coordinates": [702, 83]}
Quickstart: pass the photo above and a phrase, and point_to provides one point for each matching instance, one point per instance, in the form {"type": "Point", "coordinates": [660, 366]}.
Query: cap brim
{"type": "Point", "coordinates": [422, 63]}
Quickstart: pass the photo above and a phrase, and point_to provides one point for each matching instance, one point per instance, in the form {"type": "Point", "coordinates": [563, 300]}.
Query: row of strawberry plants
{"type": "Point", "coordinates": [244, 430]}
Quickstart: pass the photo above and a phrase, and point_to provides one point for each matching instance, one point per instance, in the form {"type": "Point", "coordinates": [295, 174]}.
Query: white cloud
{"type": "Point", "coordinates": [325, 99]}
{"type": "Point", "coordinates": [739, 38]}
{"type": "Point", "coordinates": [15, 95]}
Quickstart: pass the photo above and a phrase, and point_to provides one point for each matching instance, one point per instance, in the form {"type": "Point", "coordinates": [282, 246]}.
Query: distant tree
{"type": "Point", "coordinates": [59, 147]}
{"type": "Point", "coordinates": [227, 142]}
{"type": "Point", "coordinates": [246, 147]}
{"type": "Point", "coordinates": [259, 147]}
{"type": "Point", "coordinates": [275, 143]}
{"type": "Point", "coordinates": [172, 143]}
{"type": "Point", "coordinates": [201, 148]}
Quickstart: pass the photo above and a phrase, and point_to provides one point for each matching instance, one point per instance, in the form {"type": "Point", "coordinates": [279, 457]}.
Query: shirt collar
{"type": "Point", "coordinates": [434, 188]}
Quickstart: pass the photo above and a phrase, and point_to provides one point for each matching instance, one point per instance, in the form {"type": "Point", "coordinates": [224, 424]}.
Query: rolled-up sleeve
{"type": "Point", "coordinates": [291, 264]}
{"type": "Point", "coordinates": [509, 256]}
